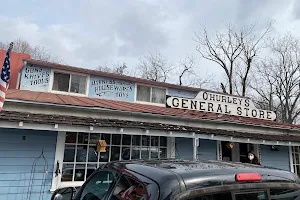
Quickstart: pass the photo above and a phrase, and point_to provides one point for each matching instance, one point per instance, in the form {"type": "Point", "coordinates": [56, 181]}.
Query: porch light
{"type": "Point", "coordinates": [121, 130]}
{"type": "Point", "coordinates": [212, 136]}
{"type": "Point", "coordinates": [91, 128]}
{"type": "Point", "coordinates": [20, 123]}
{"type": "Point", "coordinates": [170, 132]}
{"type": "Point", "coordinates": [56, 126]}
{"type": "Point", "coordinates": [147, 131]}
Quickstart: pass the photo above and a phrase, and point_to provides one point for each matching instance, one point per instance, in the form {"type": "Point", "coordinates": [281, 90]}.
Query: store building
{"type": "Point", "coordinates": [54, 118]}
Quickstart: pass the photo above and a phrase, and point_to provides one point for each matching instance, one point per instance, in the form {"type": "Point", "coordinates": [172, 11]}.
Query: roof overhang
{"type": "Point", "coordinates": [100, 113]}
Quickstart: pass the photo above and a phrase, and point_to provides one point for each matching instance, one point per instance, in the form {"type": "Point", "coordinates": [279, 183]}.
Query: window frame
{"type": "Point", "coordinates": [87, 80]}
{"type": "Point", "coordinates": [294, 156]}
{"type": "Point", "coordinates": [160, 145]}
{"type": "Point", "coordinates": [146, 102]}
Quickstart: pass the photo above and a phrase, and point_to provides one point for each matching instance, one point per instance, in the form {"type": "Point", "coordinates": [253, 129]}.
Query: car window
{"type": "Point", "coordinates": [275, 194]}
{"type": "Point", "coordinates": [129, 188]}
{"type": "Point", "coordinates": [98, 186]}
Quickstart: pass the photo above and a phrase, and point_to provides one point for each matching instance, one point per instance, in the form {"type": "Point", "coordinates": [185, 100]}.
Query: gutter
{"type": "Point", "coordinates": [148, 114]}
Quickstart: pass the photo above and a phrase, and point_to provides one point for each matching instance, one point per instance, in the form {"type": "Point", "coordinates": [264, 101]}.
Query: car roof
{"type": "Point", "coordinates": [199, 172]}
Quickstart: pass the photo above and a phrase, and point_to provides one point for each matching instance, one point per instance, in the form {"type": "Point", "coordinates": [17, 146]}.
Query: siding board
{"type": "Point", "coordinates": [184, 148]}
{"type": "Point", "coordinates": [19, 176]}
{"type": "Point", "coordinates": [207, 149]}
{"type": "Point", "coordinates": [278, 159]}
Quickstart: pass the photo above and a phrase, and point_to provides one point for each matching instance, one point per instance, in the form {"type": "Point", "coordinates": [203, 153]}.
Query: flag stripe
{"type": "Point", "coordinates": [5, 76]}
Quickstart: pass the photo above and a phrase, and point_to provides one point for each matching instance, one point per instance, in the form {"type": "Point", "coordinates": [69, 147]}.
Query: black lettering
{"type": "Point", "coordinates": [212, 97]}
{"type": "Point", "coordinates": [240, 101]}
{"type": "Point", "coordinates": [223, 99]}
{"type": "Point", "coordinates": [254, 113]}
{"type": "Point", "coordinates": [31, 82]}
{"type": "Point", "coordinates": [234, 100]}
{"type": "Point", "coordinates": [47, 80]}
{"type": "Point", "coordinates": [184, 103]}
{"type": "Point", "coordinates": [239, 110]}
{"type": "Point", "coordinates": [193, 104]}
{"type": "Point", "coordinates": [210, 107]}
{"type": "Point", "coordinates": [226, 110]}
{"type": "Point", "coordinates": [229, 100]}
{"type": "Point", "coordinates": [97, 89]}
{"type": "Point", "coordinates": [247, 102]}
{"type": "Point", "coordinates": [205, 95]}
{"type": "Point", "coordinates": [246, 109]}
{"type": "Point", "coordinates": [175, 104]}
{"type": "Point", "coordinates": [26, 70]}
{"type": "Point", "coordinates": [218, 97]}
{"type": "Point", "coordinates": [219, 110]}
{"type": "Point", "coordinates": [201, 105]}
{"type": "Point", "coordinates": [26, 76]}
{"type": "Point", "coordinates": [269, 115]}
{"type": "Point", "coordinates": [261, 114]}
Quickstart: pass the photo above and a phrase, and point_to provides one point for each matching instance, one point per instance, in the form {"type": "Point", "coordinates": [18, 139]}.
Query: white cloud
{"type": "Point", "coordinates": [87, 33]}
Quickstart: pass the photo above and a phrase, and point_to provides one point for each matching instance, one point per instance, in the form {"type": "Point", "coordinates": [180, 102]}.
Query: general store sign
{"type": "Point", "coordinates": [219, 103]}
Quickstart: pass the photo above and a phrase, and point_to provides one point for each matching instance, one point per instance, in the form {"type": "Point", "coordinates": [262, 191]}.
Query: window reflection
{"type": "Point", "coordinates": [83, 147]}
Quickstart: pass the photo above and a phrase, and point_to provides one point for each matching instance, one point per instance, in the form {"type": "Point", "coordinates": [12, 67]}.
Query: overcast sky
{"type": "Point", "coordinates": [88, 33]}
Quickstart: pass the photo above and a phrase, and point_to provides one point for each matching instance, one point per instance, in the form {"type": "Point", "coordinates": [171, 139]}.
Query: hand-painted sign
{"type": "Point", "coordinates": [219, 103]}
{"type": "Point", "coordinates": [111, 89]}
{"type": "Point", "coordinates": [35, 78]}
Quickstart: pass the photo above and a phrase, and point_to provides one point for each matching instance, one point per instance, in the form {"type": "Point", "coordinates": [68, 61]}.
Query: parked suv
{"type": "Point", "coordinates": [184, 179]}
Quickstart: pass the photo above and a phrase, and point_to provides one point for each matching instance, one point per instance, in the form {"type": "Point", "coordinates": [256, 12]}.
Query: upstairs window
{"type": "Point", "coordinates": [69, 83]}
{"type": "Point", "coordinates": [151, 94]}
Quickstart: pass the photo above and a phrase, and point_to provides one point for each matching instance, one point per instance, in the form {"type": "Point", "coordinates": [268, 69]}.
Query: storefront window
{"type": "Point", "coordinates": [296, 159]}
{"type": "Point", "coordinates": [81, 157]}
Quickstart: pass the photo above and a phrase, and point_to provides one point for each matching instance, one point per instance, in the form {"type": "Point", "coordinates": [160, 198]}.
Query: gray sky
{"type": "Point", "coordinates": [88, 33]}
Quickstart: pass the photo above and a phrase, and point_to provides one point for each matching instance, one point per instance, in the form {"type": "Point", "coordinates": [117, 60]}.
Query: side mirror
{"type": "Point", "coordinates": [63, 194]}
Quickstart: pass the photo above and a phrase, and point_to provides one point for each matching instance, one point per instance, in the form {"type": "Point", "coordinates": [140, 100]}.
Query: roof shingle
{"type": "Point", "coordinates": [136, 108]}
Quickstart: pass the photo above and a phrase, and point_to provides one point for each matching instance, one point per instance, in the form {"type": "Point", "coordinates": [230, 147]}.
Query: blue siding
{"type": "Point", "coordinates": [207, 149]}
{"type": "Point", "coordinates": [279, 159]}
{"type": "Point", "coordinates": [19, 177]}
{"type": "Point", "coordinates": [184, 148]}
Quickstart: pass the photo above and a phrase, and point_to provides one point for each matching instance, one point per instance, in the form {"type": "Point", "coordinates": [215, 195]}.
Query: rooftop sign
{"type": "Point", "coordinates": [219, 103]}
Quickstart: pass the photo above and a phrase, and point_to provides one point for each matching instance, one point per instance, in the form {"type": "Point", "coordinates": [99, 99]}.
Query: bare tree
{"type": "Point", "coordinates": [153, 67]}
{"type": "Point", "coordinates": [279, 78]}
{"type": "Point", "coordinates": [36, 52]}
{"type": "Point", "coordinates": [251, 47]}
{"type": "Point", "coordinates": [223, 49]}
{"type": "Point", "coordinates": [233, 50]}
{"type": "Point", "coordinates": [116, 68]}
{"type": "Point", "coordinates": [186, 67]}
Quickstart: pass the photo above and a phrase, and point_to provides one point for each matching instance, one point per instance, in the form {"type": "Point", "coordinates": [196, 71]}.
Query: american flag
{"type": "Point", "coordinates": [5, 76]}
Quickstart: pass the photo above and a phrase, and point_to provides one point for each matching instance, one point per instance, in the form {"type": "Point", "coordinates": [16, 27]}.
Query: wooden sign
{"type": "Point", "coordinates": [101, 146]}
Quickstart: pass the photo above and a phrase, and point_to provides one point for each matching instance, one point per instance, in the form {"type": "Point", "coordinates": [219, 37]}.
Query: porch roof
{"type": "Point", "coordinates": [59, 99]}
{"type": "Point", "coordinates": [30, 118]}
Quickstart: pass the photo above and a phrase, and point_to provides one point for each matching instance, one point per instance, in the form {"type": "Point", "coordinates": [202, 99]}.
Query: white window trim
{"type": "Point", "coordinates": [291, 160]}
{"type": "Point", "coordinates": [69, 73]}
{"type": "Point", "coordinates": [146, 102]}
{"type": "Point", "coordinates": [59, 156]}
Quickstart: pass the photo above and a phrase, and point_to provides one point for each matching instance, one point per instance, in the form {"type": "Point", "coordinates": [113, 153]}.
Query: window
{"type": "Point", "coordinates": [128, 188]}
{"type": "Point", "coordinates": [98, 186]}
{"type": "Point", "coordinates": [81, 157]}
{"type": "Point", "coordinates": [296, 160]}
{"type": "Point", "coordinates": [69, 83]}
{"type": "Point", "coordinates": [151, 94]}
